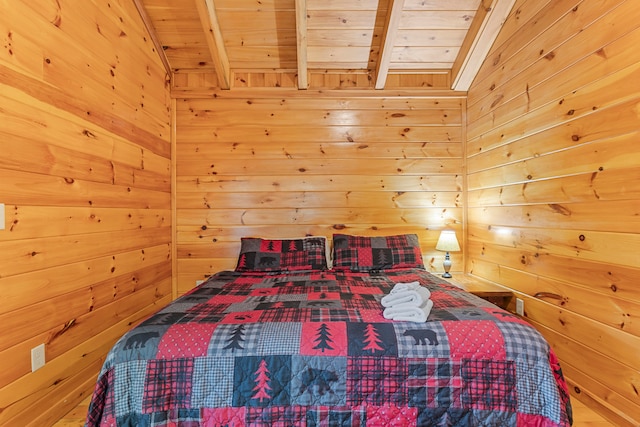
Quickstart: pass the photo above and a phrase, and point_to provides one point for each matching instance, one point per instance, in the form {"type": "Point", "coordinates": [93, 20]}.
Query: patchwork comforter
{"type": "Point", "coordinates": [313, 349]}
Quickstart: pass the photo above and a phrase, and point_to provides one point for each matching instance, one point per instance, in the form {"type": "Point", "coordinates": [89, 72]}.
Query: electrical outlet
{"type": "Point", "coordinates": [519, 307]}
{"type": "Point", "coordinates": [37, 357]}
{"type": "Point", "coordinates": [2, 215]}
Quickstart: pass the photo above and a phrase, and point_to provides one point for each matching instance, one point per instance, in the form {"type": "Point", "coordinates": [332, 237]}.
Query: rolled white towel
{"type": "Point", "coordinates": [415, 296]}
{"type": "Point", "coordinates": [404, 286]}
{"type": "Point", "coordinates": [409, 313]}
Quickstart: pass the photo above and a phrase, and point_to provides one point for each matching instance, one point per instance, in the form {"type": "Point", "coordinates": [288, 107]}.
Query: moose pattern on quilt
{"type": "Point", "coordinates": [312, 348]}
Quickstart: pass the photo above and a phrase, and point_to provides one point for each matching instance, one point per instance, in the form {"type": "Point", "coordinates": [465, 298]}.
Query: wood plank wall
{"type": "Point", "coordinates": [256, 163]}
{"type": "Point", "coordinates": [85, 175]}
{"type": "Point", "coordinates": [554, 187]}
{"type": "Point", "coordinates": [184, 83]}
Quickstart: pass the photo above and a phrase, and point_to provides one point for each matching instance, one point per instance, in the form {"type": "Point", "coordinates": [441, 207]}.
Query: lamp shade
{"type": "Point", "coordinates": [448, 241]}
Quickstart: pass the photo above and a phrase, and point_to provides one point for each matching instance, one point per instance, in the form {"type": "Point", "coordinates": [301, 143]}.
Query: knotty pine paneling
{"type": "Point", "coordinates": [284, 166]}
{"type": "Point", "coordinates": [553, 201]}
{"type": "Point", "coordinates": [85, 174]}
{"type": "Point", "coordinates": [193, 82]}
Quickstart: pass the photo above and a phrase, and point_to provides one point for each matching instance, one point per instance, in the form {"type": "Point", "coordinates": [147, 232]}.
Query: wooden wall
{"type": "Point", "coordinates": [85, 170]}
{"type": "Point", "coordinates": [305, 163]}
{"type": "Point", "coordinates": [186, 82]}
{"type": "Point", "coordinates": [554, 187]}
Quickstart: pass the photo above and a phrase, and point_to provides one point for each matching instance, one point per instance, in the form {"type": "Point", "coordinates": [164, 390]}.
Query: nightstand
{"type": "Point", "coordinates": [489, 291]}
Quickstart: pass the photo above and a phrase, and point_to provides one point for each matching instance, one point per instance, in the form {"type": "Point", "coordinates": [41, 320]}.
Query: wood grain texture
{"type": "Point", "coordinates": [552, 160]}
{"type": "Point", "coordinates": [312, 165]}
{"type": "Point", "coordinates": [85, 176]}
{"type": "Point", "coordinates": [326, 45]}
{"type": "Point", "coordinates": [548, 205]}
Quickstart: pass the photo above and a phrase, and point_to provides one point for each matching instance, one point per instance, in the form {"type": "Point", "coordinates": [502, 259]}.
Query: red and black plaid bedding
{"type": "Point", "coordinates": [313, 349]}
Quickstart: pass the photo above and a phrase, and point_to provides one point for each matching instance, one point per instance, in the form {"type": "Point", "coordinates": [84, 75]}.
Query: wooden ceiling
{"type": "Point", "coordinates": [378, 38]}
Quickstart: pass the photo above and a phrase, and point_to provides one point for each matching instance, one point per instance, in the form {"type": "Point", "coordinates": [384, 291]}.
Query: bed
{"type": "Point", "coordinates": [284, 340]}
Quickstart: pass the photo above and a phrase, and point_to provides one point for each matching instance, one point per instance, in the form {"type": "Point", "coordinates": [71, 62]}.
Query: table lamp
{"type": "Point", "coordinates": [448, 243]}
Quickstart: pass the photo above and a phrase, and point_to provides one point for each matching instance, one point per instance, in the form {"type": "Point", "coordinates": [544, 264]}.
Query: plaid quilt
{"type": "Point", "coordinates": [313, 349]}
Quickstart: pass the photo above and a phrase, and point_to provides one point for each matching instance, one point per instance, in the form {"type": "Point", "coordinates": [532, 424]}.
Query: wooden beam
{"type": "Point", "coordinates": [389, 38]}
{"type": "Point", "coordinates": [475, 29]}
{"type": "Point", "coordinates": [259, 93]}
{"type": "Point", "coordinates": [480, 37]}
{"type": "Point", "coordinates": [301, 37]}
{"type": "Point", "coordinates": [215, 41]}
{"type": "Point", "coordinates": [154, 37]}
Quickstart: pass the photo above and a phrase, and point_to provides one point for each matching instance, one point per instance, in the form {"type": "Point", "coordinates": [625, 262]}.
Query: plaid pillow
{"type": "Point", "coordinates": [282, 254]}
{"type": "Point", "coordinates": [359, 253]}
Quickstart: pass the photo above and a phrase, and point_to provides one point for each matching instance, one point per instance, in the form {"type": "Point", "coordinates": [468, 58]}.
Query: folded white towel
{"type": "Point", "coordinates": [409, 313]}
{"type": "Point", "coordinates": [414, 295]}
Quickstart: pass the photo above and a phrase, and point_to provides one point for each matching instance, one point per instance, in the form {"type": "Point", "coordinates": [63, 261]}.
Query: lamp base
{"type": "Point", "coordinates": [447, 266]}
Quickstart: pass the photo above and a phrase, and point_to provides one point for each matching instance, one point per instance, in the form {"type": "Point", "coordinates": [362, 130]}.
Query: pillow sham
{"type": "Point", "coordinates": [360, 253]}
{"type": "Point", "coordinates": [257, 254]}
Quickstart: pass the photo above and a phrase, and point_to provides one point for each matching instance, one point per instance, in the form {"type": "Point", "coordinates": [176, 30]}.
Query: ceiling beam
{"type": "Point", "coordinates": [215, 41]}
{"type": "Point", "coordinates": [478, 41]}
{"type": "Point", "coordinates": [394, 13]}
{"type": "Point", "coordinates": [301, 37]}
{"type": "Point", "coordinates": [154, 37]}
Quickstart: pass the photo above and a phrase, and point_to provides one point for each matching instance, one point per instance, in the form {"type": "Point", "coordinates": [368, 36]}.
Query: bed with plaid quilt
{"type": "Point", "coordinates": [311, 348]}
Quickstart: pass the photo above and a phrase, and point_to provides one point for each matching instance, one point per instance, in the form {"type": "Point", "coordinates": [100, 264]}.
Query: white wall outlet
{"type": "Point", "coordinates": [37, 357]}
{"type": "Point", "coordinates": [199, 282]}
{"type": "Point", "coordinates": [519, 307]}
{"type": "Point", "coordinates": [2, 216]}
